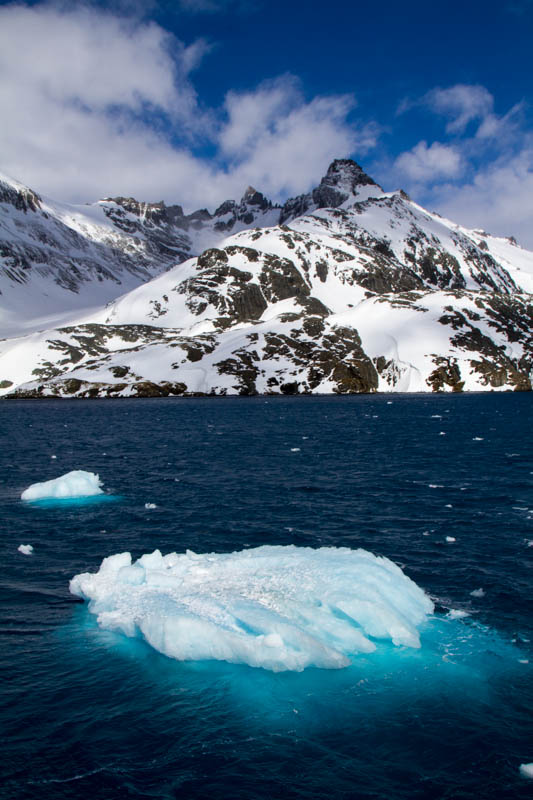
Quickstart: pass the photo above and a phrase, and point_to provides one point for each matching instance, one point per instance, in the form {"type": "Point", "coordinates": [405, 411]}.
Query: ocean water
{"type": "Point", "coordinates": [89, 713]}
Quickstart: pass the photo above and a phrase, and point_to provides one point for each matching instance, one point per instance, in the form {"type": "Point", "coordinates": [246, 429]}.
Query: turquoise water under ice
{"type": "Point", "coordinates": [89, 713]}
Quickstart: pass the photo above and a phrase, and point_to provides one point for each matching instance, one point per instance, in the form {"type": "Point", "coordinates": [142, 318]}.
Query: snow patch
{"type": "Point", "coordinates": [276, 607]}
{"type": "Point", "coordinates": [76, 483]}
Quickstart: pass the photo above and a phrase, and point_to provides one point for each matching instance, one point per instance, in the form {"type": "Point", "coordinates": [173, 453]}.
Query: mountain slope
{"type": "Point", "coordinates": [57, 261]}
{"type": "Point", "coordinates": [370, 292]}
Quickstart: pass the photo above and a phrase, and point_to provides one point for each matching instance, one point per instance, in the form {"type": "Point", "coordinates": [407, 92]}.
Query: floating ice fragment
{"type": "Point", "coordinates": [436, 486]}
{"type": "Point", "coordinates": [457, 613]}
{"type": "Point", "coordinates": [442, 433]}
{"type": "Point", "coordinates": [451, 539]}
{"type": "Point", "coordinates": [478, 593]}
{"type": "Point", "coordinates": [448, 505]}
{"type": "Point", "coordinates": [477, 439]}
{"type": "Point", "coordinates": [295, 449]}
{"type": "Point", "coordinates": [53, 456]}
{"type": "Point", "coordinates": [77, 483]}
{"type": "Point", "coordinates": [523, 660]}
{"type": "Point", "coordinates": [150, 505]}
{"type": "Point", "coordinates": [27, 549]}
{"type": "Point", "coordinates": [280, 608]}
{"type": "Point", "coordinates": [526, 770]}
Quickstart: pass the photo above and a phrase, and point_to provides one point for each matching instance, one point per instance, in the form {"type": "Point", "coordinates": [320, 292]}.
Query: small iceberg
{"type": "Point", "coordinates": [77, 483]}
{"type": "Point", "coordinates": [26, 549]}
{"type": "Point", "coordinates": [526, 770]}
{"type": "Point", "coordinates": [275, 607]}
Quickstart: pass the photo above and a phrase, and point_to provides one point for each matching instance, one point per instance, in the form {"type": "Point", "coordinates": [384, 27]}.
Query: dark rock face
{"type": "Point", "coordinates": [21, 199]}
{"type": "Point", "coordinates": [509, 315]}
{"type": "Point", "coordinates": [343, 179]}
{"type": "Point", "coordinates": [446, 374]}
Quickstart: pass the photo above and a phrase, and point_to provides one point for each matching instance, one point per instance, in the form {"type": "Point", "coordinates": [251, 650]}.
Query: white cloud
{"type": "Point", "coordinates": [94, 60]}
{"type": "Point", "coordinates": [282, 143]}
{"type": "Point", "coordinates": [98, 105]}
{"type": "Point", "coordinates": [460, 104]}
{"type": "Point", "coordinates": [498, 199]}
{"type": "Point", "coordinates": [484, 178]}
{"type": "Point", "coordinates": [425, 164]}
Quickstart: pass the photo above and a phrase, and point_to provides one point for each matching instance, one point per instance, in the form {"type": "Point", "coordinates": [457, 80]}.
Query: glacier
{"type": "Point", "coordinates": [76, 483]}
{"type": "Point", "coordinates": [275, 607]}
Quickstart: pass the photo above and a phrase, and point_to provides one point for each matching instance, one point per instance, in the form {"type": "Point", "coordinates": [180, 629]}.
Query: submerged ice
{"type": "Point", "coordinates": [276, 607]}
{"type": "Point", "coordinates": [77, 483]}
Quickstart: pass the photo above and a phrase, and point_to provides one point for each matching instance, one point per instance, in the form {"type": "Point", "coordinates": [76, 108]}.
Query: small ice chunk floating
{"type": "Point", "coordinates": [276, 607]}
{"type": "Point", "coordinates": [77, 483]}
{"type": "Point", "coordinates": [25, 549]}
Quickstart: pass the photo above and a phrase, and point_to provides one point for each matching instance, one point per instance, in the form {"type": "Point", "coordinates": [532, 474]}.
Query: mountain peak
{"type": "Point", "coordinates": [346, 175]}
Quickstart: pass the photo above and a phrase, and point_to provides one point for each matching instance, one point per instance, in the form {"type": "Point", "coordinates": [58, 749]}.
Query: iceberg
{"type": "Point", "coordinates": [276, 607]}
{"type": "Point", "coordinates": [77, 483]}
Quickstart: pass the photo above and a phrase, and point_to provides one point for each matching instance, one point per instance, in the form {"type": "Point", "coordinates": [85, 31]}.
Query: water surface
{"type": "Point", "coordinates": [88, 713]}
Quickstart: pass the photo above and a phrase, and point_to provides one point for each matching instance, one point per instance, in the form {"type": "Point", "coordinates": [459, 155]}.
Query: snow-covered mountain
{"type": "Point", "coordinates": [346, 289]}
{"type": "Point", "coordinates": [58, 260]}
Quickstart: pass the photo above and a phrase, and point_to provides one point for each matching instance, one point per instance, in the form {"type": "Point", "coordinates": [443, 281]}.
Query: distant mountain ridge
{"type": "Point", "coordinates": [346, 288]}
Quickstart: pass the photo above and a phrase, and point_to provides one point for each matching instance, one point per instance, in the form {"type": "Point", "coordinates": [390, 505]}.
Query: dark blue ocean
{"type": "Point", "coordinates": [86, 713]}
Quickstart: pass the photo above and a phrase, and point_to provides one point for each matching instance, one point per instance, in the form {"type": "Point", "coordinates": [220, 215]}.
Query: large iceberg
{"type": "Point", "coordinates": [281, 608]}
{"type": "Point", "coordinates": [77, 483]}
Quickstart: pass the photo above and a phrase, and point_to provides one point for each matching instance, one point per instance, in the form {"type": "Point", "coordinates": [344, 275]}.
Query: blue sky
{"type": "Point", "coordinates": [192, 100]}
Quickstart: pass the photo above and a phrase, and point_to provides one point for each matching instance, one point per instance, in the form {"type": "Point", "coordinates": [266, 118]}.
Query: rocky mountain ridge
{"type": "Point", "coordinates": [345, 289]}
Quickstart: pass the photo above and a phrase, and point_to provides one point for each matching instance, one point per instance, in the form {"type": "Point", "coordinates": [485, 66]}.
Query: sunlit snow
{"type": "Point", "coordinates": [280, 608]}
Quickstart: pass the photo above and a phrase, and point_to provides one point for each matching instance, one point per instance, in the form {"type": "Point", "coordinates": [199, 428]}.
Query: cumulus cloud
{"type": "Point", "coordinates": [498, 198]}
{"type": "Point", "coordinates": [484, 177]}
{"type": "Point", "coordinates": [423, 163]}
{"type": "Point", "coordinates": [460, 104]}
{"type": "Point", "coordinates": [98, 104]}
{"type": "Point", "coordinates": [277, 139]}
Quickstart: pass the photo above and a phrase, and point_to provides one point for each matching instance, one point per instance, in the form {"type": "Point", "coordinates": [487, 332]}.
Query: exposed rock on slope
{"type": "Point", "coordinates": [351, 289]}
